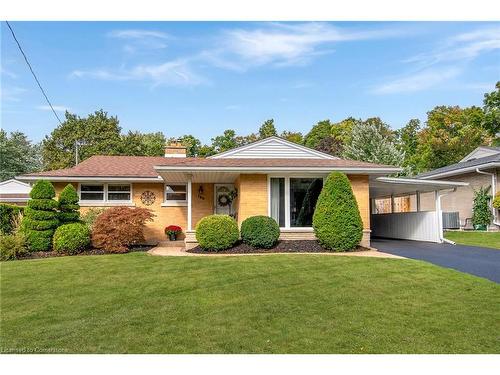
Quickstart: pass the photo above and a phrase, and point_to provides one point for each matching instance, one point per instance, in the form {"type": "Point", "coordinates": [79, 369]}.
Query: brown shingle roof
{"type": "Point", "coordinates": [143, 166]}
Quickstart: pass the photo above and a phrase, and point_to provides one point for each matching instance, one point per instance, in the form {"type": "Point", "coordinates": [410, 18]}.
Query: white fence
{"type": "Point", "coordinates": [418, 226]}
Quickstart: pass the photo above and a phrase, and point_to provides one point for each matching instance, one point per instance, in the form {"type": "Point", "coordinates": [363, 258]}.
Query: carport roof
{"type": "Point", "coordinates": [386, 186]}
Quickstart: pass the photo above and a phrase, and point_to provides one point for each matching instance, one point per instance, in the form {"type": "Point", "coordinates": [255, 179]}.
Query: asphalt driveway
{"type": "Point", "coordinates": [475, 260]}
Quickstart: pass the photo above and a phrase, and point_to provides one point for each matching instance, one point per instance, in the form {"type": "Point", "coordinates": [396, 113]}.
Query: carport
{"type": "Point", "coordinates": [415, 224]}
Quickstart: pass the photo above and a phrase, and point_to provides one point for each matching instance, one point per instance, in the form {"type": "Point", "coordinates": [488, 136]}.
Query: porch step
{"type": "Point", "coordinates": [178, 243]}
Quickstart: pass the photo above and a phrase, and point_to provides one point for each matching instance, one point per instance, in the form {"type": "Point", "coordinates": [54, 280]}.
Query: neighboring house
{"type": "Point", "coordinates": [14, 192]}
{"type": "Point", "coordinates": [271, 177]}
{"type": "Point", "coordinates": [480, 169]}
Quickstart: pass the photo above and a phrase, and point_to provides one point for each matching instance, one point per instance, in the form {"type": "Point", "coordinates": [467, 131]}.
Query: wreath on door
{"type": "Point", "coordinates": [223, 200]}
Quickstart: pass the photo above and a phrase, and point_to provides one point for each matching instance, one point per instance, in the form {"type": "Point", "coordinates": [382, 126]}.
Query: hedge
{"type": "Point", "coordinates": [260, 231]}
{"type": "Point", "coordinates": [7, 214]}
{"type": "Point", "coordinates": [71, 238]}
{"type": "Point", "coordinates": [40, 220]}
{"type": "Point", "coordinates": [337, 222]}
{"type": "Point", "coordinates": [217, 232]}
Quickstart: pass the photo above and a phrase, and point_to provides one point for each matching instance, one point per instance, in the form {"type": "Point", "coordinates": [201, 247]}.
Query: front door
{"type": "Point", "coordinates": [222, 198]}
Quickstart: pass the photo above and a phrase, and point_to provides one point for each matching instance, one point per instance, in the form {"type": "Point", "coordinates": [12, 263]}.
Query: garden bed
{"type": "Point", "coordinates": [53, 254]}
{"type": "Point", "coordinates": [297, 246]}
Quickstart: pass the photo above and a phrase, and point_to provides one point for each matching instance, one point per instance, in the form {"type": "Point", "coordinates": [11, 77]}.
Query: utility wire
{"type": "Point", "coordinates": [32, 72]}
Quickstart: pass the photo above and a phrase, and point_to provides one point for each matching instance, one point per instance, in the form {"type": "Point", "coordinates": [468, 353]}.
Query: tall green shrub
{"type": "Point", "coordinates": [337, 221]}
{"type": "Point", "coordinates": [481, 213]}
{"type": "Point", "coordinates": [69, 209]}
{"type": "Point", "coordinates": [40, 217]}
{"type": "Point", "coordinates": [8, 213]}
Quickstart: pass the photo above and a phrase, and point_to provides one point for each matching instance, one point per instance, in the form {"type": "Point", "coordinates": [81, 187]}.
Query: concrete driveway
{"type": "Point", "coordinates": [475, 260]}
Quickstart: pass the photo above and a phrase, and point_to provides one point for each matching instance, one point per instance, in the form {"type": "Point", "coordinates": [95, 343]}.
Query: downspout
{"type": "Point", "coordinates": [493, 193]}
{"type": "Point", "coordinates": [440, 216]}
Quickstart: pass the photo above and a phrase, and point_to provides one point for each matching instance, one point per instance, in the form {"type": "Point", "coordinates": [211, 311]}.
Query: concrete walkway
{"type": "Point", "coordinates": [181, 252]}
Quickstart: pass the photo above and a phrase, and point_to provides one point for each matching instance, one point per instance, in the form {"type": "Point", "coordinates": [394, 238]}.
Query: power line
{"type": "Point", "coordinates": [32, 72]}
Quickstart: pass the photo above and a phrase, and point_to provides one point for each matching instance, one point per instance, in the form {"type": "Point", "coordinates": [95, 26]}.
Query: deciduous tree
{"type": "Point", "coordinates": [450, 134]}
{"type": "Point", "coordinates": [17, 155]}
{"type": "Point", "coordinates": [98, 133]}
{"type": "Point", "coordinates": [371, 141]}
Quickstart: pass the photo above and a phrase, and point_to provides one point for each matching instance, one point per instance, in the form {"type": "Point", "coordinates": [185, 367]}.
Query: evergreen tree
{"type": "Point", "coordinates": [69, 209]}
{"type": "Point", "coordinates": [40, 217]}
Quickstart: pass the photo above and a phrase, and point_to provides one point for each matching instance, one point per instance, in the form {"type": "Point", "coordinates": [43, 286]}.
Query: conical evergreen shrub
{"type": "Point", "coordinates": [69, 209]}
{"type": "Point", "coordinates": [40, 217]}
{"type": "Point", "coordinates": [337, 221]}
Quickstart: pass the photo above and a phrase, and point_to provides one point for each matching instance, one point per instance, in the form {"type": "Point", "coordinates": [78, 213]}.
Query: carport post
{"type": "Point", "coordinates": [439, 214]}
{"type": "Point", "coordinates": [418, 201]}
{"type": "Point", "coordinates": [392, 204]}
{"type": "Point", "coordinates": [189, 199]}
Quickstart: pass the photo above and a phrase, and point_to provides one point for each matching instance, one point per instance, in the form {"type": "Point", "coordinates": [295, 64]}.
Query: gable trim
{"type": "Point", "coordinates": [314, 153]}
{"type": "Point", "coordinates": [485, 148]}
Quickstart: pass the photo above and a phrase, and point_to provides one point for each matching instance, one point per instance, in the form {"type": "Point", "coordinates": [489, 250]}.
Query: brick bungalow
{"type": "Point", "coordinates": [271, 177]}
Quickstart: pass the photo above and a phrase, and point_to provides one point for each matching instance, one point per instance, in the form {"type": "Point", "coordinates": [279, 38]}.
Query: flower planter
{"type": "Point", "coordinates": [172, 231]}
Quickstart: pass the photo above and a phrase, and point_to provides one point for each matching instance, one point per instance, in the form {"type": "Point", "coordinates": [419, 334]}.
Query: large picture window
{"type": "Point", "coordinates": [293, 200]}
{"type": "Point", "coordinates": [304, 193]}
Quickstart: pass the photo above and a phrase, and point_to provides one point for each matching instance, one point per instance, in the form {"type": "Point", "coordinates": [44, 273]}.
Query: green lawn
{"type": "Point", "coordinates": [486, 239]}
{"type": "Point", "coordinates": [136, 303]}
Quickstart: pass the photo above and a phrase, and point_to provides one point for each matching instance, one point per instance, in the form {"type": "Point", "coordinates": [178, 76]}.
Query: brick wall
{"type": "Point", "coordinates": [252, 195]}
{"type": "Point", "coordinates": [203, 204]}
{"type": "Point", "coordinates": [361, 189]}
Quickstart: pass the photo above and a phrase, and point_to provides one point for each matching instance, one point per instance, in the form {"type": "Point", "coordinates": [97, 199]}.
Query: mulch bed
{"type": "Point", "coordinates": [303, 246]}
{"type": "Point", "coordinates": [54, 254]}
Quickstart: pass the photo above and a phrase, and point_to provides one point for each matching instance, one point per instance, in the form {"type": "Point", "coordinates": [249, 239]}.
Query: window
{"type": "Point", "coordinates": [278, 200]}
{"type": "Point", "coordinates": [91, 192]}
{"type": "Point", "coordinates": [175, 193]}
{"type": "Point", "coordinates": [113, 193]}
{"type": "Point", "coordinates": [118, 192]}
{"type": "Point", "coordinates": [304, 193]}
{"type": "Point", "coordinates": [293, 200]}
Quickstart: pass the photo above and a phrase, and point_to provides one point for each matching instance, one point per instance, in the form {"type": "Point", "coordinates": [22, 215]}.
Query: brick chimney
{"type": "Point", "coordinates": [175, 149]}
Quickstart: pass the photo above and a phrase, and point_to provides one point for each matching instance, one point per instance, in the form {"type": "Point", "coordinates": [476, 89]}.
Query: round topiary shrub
{"type": "Point", "coordinates": [217, 232]}
{"type": "Point", "coordinates": [337, 223]}
{"type": "Point", "coordinates": [69, 209]}
{"type": "Point", "coordinates": [40, 218]}
{"type": "Point", "coordinates": [71, 238]}
{"type": "Point", "coordinates": [260, 231]}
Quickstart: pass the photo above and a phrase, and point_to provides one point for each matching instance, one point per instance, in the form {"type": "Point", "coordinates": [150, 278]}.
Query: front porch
{"type": "Point", "coordinates": [288, 198]}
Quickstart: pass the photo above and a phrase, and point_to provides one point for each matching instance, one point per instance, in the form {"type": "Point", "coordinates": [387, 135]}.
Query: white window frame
{"type": "Point", "coordinates": [105, 200]}
{"type": "Point", "coordinates": [287, 226]}
{"type": "Point", "coordinates": [175, 202]}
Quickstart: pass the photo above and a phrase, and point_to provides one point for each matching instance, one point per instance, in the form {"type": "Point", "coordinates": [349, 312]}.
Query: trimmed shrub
{"type": "Point", "coordinates": [8, 213]}
{"type": "Point", "coordinates": [40, 220]}
{"type": "Point", "coordinates": [71, 238]}
{"type": "Point", "coordinates": [260, 231]}
{"type": "Point", "coordinates": [12, 246]}
{"type": "Point", "coordinates": [69, 209]}
{"type": "Point", "coordinates": [118, 228]}
{"type": "Point", "coordinates": [91, 215]}
{"type": "Point", "coordinates": [337, 221]}
{"type": "Point", "coordinates": [43, 189]}
{"type": "Point", "coordinates": [217, 232]}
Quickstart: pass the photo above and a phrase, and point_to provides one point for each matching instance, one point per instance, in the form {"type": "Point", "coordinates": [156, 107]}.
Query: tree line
{"type": "Point", "coordinates": [448, 134]}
